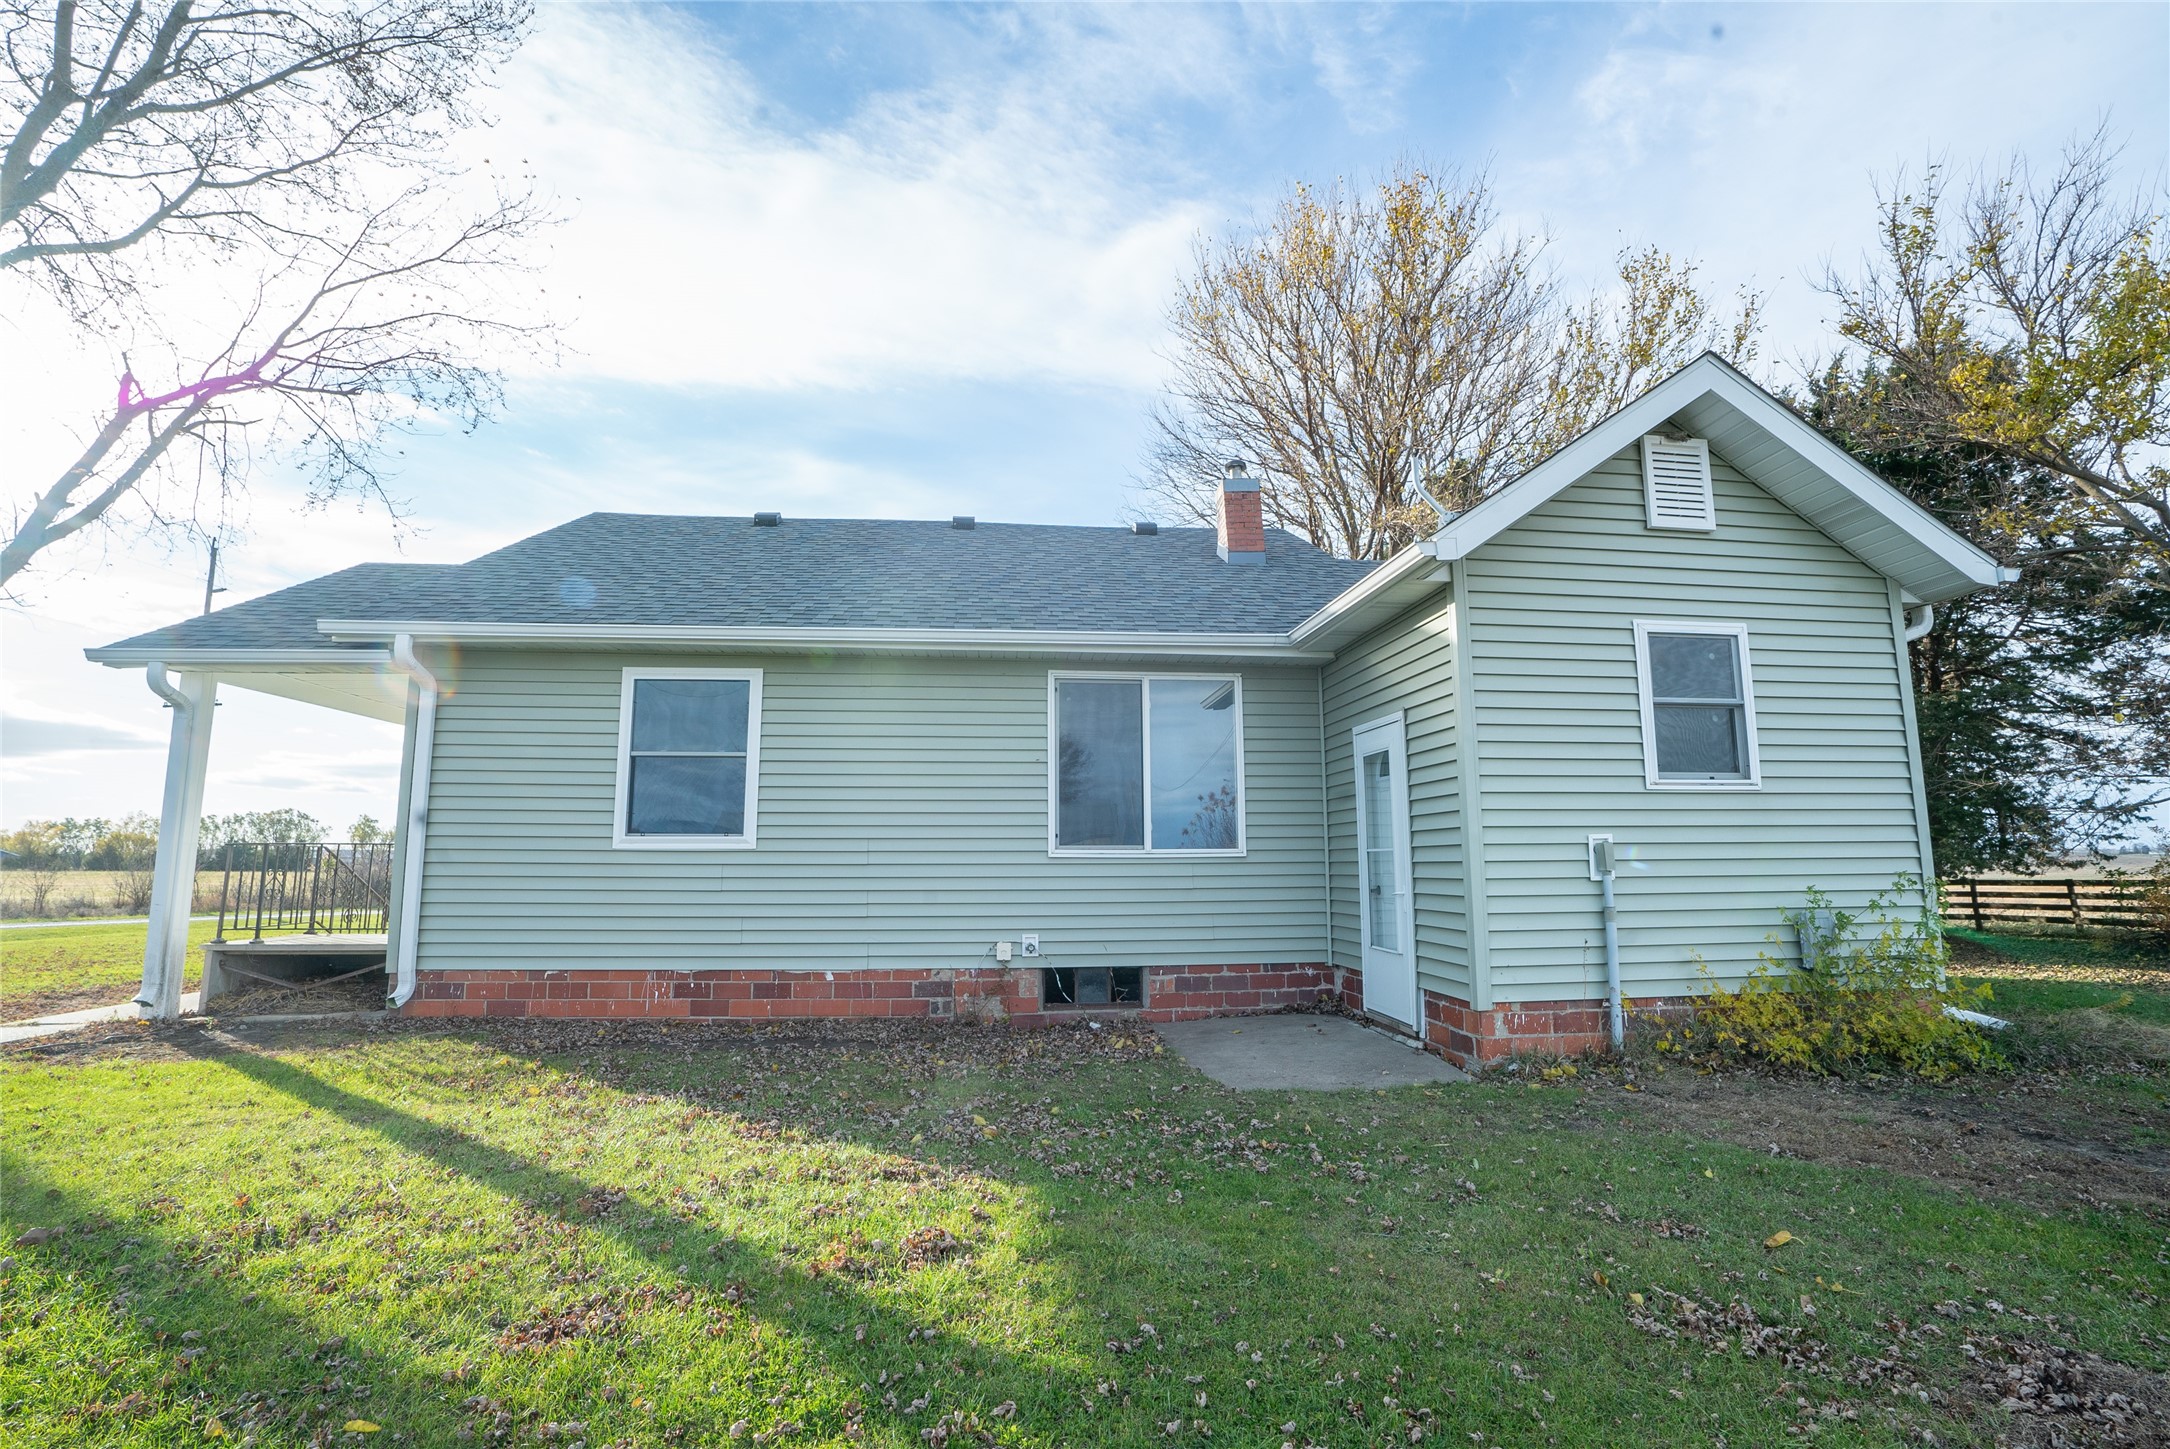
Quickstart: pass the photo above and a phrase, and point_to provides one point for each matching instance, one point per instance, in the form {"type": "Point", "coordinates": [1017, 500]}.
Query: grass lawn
{"type": "Point", "coordinates": [580, 1234]}
{"type": "Point", "coordinates": [58, 968]}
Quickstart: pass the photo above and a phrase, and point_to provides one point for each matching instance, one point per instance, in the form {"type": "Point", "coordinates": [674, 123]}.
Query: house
{"type": "Point", "coordinates": [727, 767]}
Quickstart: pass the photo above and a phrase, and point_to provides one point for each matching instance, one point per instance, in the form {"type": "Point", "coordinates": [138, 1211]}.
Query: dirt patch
{"type": "Point", "coordinates": [29, 1005]}
{"type": "Point", "coordinates": [2036, 1139]}
{"type": "Point", "coordinates": [2059, 1396]}
{"type": "Point", "coordinates": [918, 1047]}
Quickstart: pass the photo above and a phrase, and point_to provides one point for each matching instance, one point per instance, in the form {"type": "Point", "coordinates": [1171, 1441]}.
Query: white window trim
{"type": "Point", "coordinates": [618, 836]}
{"type": "Point", "coordinates": [1133, 852]}
{"type": "Point", "coordinates": [1644, 628]}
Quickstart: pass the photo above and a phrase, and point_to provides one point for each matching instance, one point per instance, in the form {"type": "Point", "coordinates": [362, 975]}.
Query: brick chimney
{"type": "Point", "coordinates": [1243, 519]}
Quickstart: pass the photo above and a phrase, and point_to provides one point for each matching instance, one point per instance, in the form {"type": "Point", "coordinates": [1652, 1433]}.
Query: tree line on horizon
{"type": "Point", "coordinates": [131, 842]}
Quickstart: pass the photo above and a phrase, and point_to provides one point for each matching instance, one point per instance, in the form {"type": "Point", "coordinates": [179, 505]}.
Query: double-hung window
{"type": "Point", "coordinates": [1149, 762]}
{"type": "Point", "coordinates": [1698, 705]}
{"type": "Point", "coordinates": [689, 754]}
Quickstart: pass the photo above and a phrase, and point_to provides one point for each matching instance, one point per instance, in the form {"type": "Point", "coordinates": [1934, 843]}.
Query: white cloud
{"type": "Point", "coordinates": [1756, 148]}
{"type": "Point", "coordinates": [28, 734]}
{"type": "Point", "coordinates": [964, 230]}
{"type": "Point", "coordinates": [1363, 59]}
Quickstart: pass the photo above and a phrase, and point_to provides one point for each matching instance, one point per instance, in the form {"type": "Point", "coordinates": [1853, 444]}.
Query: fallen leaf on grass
{"type": "Point", "coordinates": [213, 1429]}
{"type": "Point", "coordinates": [35, 1236]}
{"type": "Point", "coordinates": [1778, 1239]}
{"type": "Point", "coordinates": [360, 1426]}
{"type": "Point", "coordinates": [926, 1246]}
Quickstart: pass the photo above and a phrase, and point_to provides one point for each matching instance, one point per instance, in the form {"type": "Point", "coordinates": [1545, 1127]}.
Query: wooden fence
{"type": "Point", "coordinates": [2072, 901]}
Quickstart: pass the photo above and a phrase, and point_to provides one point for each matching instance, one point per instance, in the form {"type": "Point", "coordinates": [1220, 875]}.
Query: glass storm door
{"type": "Point", "coordinates": [1382, 868]}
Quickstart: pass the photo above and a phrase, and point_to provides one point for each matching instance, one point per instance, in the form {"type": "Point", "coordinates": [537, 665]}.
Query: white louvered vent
{"type": "Point", "coordinates": [1676, 483]}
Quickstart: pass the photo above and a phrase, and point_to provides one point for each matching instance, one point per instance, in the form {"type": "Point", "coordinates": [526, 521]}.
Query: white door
{"type": "Point", "coordinates": [1382, 871]}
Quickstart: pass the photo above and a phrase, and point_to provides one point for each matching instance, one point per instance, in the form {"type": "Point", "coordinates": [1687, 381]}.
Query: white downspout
{"type": "Point", "coordinates": [1919, 622]}
{"type": "Point", "coordinates": [416, 825]}
{"type": "Point", "coordinates": [1601, 867]}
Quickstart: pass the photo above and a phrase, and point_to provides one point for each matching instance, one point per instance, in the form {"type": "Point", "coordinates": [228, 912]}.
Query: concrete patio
{"type": "Point", "coordinates": [1299, 1052]}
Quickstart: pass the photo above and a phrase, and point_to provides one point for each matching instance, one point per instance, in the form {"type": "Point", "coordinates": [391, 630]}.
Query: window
{"type": "Point", "coordinates": [1145, 762]}
{"type": "Point", "coordinates": [1699, 712]}
{"type": "Point", "coordinates": [1092, 986]}
{"type": "Point", "coordinates": [689, 749]}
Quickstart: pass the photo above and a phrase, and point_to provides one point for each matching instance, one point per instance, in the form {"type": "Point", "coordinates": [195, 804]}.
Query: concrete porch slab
{"type": "Point", "coordinates": [1302, 1053]}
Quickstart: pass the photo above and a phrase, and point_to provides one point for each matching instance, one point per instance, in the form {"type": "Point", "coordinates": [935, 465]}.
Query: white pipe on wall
{"type": "Point", "coordinates": [1916, 627]}
{"type": "Point", "coordinates": [416, 826]}
{"type": "Point", "coordinates": [1601, 866]}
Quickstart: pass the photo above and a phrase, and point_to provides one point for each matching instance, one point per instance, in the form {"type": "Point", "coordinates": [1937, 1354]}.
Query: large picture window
{"type": "Point", "coordinates": [688, 758]}
{"type": "Point", "coordinates": [1698, 707]}
{"type": "Point", "coordinates": [1146, 762]}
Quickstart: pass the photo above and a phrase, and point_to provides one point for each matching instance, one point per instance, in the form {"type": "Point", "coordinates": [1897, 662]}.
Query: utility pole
{"type": "Point", "coordinates": [211, 579]}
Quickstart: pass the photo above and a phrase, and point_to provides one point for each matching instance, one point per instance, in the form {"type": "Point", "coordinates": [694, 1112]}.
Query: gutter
{"type": "Point", "coordinates": [1419, 561]}
{"type": "Point", "coordinates": [416, 826]}
{"type": "Point", "coordinates": [317, 657]}
{"type": "Point", "coordinates": [1276, 648]}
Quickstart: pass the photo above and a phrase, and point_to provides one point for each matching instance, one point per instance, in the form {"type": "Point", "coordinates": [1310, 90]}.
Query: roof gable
{"type": "Point", "coordinates": [1779, 451]}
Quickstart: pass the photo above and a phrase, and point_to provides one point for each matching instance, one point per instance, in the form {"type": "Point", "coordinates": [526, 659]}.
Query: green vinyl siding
{"type": "Point", "coordinates": [1702, 873]}
{"type": "Point", "coordinates": [902, 823]}
{"type": "Point", "coordinates": [1407, 665]}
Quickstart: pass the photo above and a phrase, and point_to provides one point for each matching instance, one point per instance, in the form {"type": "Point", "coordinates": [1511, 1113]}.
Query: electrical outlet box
{"type": "Point", "coordinates": [1032, 944]}
{"type": "Point", "coordinates": [1002, 953]}
{"type": "Point", "coordinates": [1600, 860]}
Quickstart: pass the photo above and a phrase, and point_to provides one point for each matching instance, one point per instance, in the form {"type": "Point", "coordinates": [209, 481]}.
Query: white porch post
{"type": "Point", "coordinates": [173, 877]}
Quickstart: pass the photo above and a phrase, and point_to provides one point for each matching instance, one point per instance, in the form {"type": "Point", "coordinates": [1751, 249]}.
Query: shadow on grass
{"type": "Point", "coordinates": [197, 1348]}
{"type": "Point", "coordinates": [713, 1263]}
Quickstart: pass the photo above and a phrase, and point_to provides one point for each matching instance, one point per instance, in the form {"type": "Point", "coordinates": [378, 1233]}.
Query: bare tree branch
{"type": "Point", "coordinates": [161, 136]}
{"type": "Point", "coordinates": [2030, 317]}
{"type": "Point", "coordinates": [1391, 355]}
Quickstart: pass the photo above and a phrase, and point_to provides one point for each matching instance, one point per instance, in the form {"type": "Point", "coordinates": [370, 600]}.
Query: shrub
{"type": "Point", "coordinates": [1868, 997]}
{"type": "Point", "coordinates": [132, 890]}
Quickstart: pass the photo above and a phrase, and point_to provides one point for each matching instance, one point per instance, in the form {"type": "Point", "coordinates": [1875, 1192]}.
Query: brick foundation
{"type": "Point", "coordinates": [1453, 1028]}
{"type": "Point", "coordinates": [1172, 993]}
{"type": "Point", "coordinates": [1472, 1037]}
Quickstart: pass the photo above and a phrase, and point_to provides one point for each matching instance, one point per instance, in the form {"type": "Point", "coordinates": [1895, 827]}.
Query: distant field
{"type": "Point", "coordinates": [80, 893]}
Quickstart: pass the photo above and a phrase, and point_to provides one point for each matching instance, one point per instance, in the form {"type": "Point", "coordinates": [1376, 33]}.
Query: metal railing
{"type": "Point", "coordinates": [335, 889]}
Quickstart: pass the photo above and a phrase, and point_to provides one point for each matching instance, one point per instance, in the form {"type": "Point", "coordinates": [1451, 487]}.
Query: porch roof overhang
{"type": "Point", "coordinates": [351, 680]}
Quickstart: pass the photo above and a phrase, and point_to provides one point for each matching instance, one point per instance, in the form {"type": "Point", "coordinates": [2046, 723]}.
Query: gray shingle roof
{"type": "Point", "coordinates": [654, 569]}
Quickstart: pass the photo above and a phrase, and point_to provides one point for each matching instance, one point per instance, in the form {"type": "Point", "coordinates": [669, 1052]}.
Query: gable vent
{"type": "Point", "coordinates": [1676, 483]}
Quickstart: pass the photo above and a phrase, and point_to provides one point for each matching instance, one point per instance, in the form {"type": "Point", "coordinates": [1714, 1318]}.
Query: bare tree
{"type": "Point", "coordinates": [350, 337]}
{"type": "Point", "coordinates": [1617, 344]}
{"type": "Point", "coordinates": [2031, 318]}
{"type": "Point", "coordinates": [287, 165]}
{"type": "Point", "coordinates": [1392, 355]}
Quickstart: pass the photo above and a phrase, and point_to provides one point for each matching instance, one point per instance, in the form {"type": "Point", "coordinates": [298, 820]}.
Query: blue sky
{"type": "Point", "coordinates": [907, 261]}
